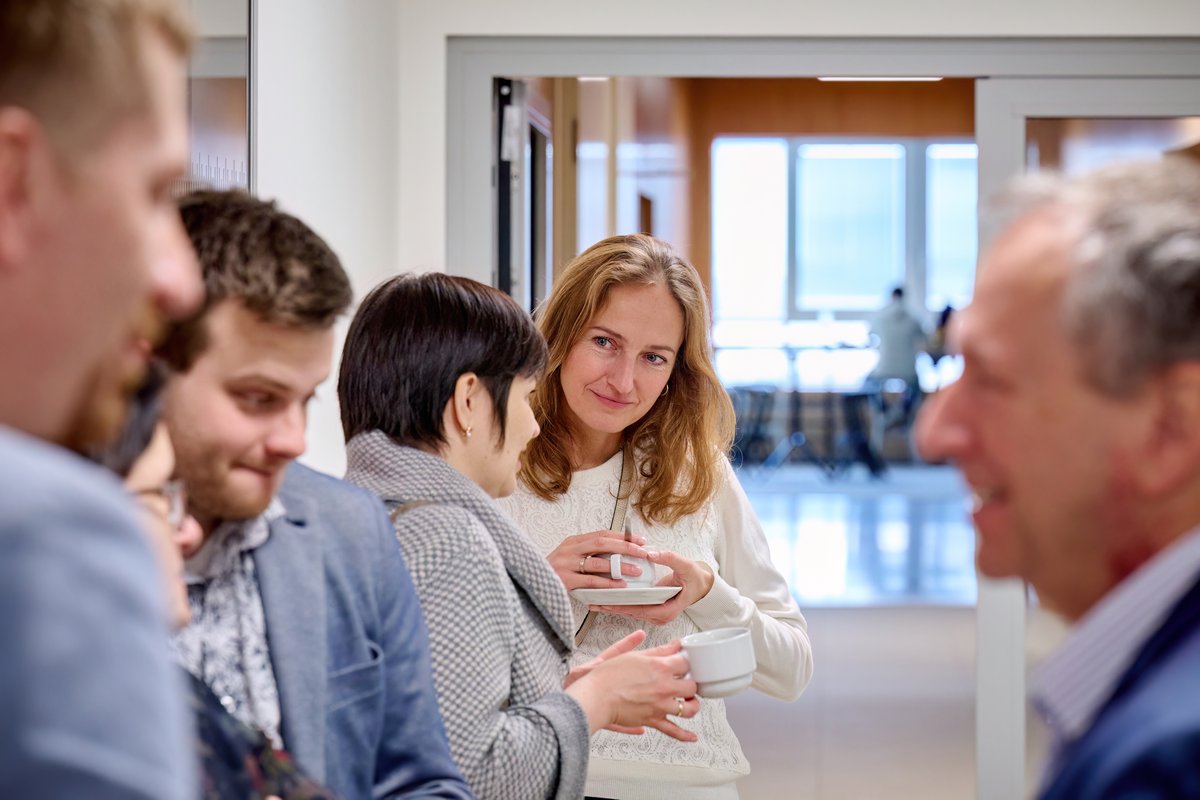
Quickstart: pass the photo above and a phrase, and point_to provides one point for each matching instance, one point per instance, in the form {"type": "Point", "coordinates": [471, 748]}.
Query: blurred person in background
{"type": "Point", "coordinates": [93, 260]}
{"type": "Point", "coordinates": [900, 337]}
{"type": "Point", "coordinates": [1076, 423]}
{"type": "Point", "coordinates": [938, 345]}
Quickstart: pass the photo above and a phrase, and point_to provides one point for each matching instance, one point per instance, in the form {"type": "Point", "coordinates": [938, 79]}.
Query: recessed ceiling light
{"type": "Point", "coordinates": [879, 78]}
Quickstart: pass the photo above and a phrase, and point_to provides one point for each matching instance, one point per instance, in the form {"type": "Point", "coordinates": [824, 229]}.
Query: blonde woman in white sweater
{"type": "Point", "coordinates": [630, 375]}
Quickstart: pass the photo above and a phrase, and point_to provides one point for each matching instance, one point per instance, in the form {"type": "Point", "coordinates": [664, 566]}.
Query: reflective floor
{"type": "Point", "coordinates": [884, 573]}
{"type": "Point", "coordinates": [855, 540]}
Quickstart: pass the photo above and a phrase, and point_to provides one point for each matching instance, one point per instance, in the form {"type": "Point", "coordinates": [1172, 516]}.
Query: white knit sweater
{"type": "Point", "coordinates": [748, 591]}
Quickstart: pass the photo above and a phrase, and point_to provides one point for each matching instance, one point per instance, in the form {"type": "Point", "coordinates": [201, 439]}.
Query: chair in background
{"type": "Point", "coordinates": [795, 439]}
{"type": "Point", "coordinates": [854, 444]}
{"type": "Point", "coordinates": [752, 407]}
{"type": "Point", "coordinates": [894, 402]}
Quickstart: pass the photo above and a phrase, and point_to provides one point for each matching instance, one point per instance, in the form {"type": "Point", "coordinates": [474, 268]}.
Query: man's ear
{"type": "Point", "coordinates": [1170, 456]}
{"type": "Point", "coordinates": [20, 138]}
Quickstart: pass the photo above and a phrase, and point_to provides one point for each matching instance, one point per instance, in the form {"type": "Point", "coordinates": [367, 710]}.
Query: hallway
{"type": "Point", "coordinates": [884, 572]}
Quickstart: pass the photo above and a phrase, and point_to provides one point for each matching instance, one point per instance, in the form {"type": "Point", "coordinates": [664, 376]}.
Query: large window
{"type": "Point", "coordinates": [848, 236]}
{"type": "Point", "coordinates": [810, 236]}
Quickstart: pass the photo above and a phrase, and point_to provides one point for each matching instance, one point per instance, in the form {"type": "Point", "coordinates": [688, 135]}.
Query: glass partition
{"type": "Point", "coordinates": [219, 96]}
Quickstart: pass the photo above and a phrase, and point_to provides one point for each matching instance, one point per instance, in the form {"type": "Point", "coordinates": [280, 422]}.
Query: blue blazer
{"type": "Point", "coordinates": [91, 705]}
{"type": "Point", "coordinates": [1145, 742]}
{"type": "Point", "coordinates": [349, 646]}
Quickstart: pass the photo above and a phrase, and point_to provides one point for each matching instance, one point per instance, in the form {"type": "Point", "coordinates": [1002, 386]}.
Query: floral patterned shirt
{"type": "Point", "coordinates": [226, 643]}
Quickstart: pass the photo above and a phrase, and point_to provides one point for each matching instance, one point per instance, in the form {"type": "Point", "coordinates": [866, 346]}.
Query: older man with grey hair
{"type": "Point", "coordinates": [1076, 423]}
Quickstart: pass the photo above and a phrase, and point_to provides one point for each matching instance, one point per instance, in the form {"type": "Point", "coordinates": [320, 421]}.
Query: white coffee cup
{"type": "Point", "coordinates": [642, 581]}
{"type": "Point", "coordinates": [720, 661]}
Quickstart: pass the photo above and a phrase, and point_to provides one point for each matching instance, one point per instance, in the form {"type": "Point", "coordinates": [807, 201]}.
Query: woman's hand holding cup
{"type": "Point", "coordinates": [625, 690]}
{"type": "Point", "coordinates": [583, 561]}
{"type": "Point", "coordinates": [695, 577]}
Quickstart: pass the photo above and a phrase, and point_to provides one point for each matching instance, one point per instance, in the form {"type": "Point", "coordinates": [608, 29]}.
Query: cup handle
{"type": "Point", "coordinates": [614, 567]}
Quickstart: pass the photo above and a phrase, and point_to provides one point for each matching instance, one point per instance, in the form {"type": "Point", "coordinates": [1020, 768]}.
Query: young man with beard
{"type": "Point", "coordinates": [304, 622]}
{"type": "Point", "coordinates": [1076, 423]}
{"type": "Point", "coordinates": [93, 132]}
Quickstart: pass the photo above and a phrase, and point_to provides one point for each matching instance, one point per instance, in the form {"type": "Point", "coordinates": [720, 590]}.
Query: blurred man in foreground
{"type": "Point", "coordinates": [1076, 423]}
{"type": "Point", "coordinates": [92, 260]}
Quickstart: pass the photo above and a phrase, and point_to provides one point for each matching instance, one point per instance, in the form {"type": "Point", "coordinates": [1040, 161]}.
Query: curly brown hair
{"type": "Point", "coordinates": [267, 260]}
{"type": "Point", "coordinates": [681, 442]}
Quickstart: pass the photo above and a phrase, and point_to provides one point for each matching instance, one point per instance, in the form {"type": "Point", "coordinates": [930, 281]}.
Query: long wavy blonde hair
{"type": "Point", "coordinates": [681, 441]}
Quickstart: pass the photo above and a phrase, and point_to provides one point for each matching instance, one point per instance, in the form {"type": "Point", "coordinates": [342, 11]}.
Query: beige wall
{"type": "Point", "coordinates": [658, 167]}
{"type": "Point", "coordinates": [224, 18]}
{"type": "Point", "coordinates": [219, 128]}
{"type": "Point", "coordinates": [325, 148]}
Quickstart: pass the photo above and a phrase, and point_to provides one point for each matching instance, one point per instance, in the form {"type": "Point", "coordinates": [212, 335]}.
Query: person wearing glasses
{"type": "Point", "coordinates": [236, 761]}
{"type": "Point", "coordinates": [143, 457]}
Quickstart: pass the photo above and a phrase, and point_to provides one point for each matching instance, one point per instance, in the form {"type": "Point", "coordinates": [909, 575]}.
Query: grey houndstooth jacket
{"type": "Point", "coordinates": [500, 626]}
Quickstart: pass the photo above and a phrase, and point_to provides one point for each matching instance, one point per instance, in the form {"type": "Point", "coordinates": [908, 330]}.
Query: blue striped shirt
{"type": "Point", "coordinates": [1073, 684]}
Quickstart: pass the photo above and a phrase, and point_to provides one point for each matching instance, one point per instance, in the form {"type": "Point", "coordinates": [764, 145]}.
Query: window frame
{"type": "Point", "coordinates": [915, 218]}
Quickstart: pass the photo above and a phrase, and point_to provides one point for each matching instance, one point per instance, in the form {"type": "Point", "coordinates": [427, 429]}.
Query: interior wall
{"type": "Point", "coordinates": [644, 121]}
{"type": "Point", "coordinates": [654, 163]}
{"type": "Point", "coordinates": [325, 148]}
{"type": "Point", "coordinates": [220, 18]}
{"type": "Point", "coordinates": [1072, 145]}
{"type": "Point", "coordinates": [808, 107]}
{"type": "Point", "coordinates": [595, 176]}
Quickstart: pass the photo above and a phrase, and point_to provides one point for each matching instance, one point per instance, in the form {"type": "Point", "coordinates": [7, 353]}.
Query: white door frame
{"type": "Point", "coordinates": [473, 61]}
{"type": "Point", "coordinates": [1002, 108]}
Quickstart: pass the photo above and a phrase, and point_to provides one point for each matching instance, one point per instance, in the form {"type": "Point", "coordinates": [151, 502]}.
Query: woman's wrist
{"type": "Point", "coordinates": [594, 702]}
{"type": "Point", "coordinates": [709, 579]}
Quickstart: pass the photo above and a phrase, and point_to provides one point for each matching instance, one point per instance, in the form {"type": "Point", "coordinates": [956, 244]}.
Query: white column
{"type": "Point", "coordinates": [325, 119]}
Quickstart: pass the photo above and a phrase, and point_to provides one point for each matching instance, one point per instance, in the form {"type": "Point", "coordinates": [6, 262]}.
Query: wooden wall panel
{"type": "Point", "coordinates": [808, 107]}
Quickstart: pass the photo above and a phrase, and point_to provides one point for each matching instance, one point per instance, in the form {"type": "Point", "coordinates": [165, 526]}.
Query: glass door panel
{"type": "Point", "coordinates": [1069, 125]}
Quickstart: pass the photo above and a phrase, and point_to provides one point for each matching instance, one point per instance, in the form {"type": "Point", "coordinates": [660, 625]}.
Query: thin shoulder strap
{"type": "Point", "coordinates": [624, 490]}
{"type": "Point", "coordinates": [403, 508]}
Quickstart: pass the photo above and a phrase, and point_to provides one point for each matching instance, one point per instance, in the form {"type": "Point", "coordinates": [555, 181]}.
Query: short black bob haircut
{"type": "Point", "coordinates": [412, 338]}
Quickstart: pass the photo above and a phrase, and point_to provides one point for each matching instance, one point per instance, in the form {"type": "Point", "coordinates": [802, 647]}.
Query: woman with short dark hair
{"type": "Point", "coordinates": [434, 391]}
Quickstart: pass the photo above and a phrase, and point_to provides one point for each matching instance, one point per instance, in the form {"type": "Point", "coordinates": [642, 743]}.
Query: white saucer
{"type": "Point", "coordinates": [725, 688]}
{"type": "Point", "coordinates": [638, 596]}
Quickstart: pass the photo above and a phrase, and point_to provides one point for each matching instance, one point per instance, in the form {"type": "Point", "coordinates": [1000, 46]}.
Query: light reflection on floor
{"type": "Point", "coordinates": [857, 541]}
